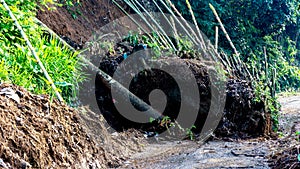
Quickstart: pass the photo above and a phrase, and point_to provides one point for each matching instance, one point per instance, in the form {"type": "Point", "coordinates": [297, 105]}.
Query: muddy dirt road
{"type": "Point", "coordinates": [217, 154]}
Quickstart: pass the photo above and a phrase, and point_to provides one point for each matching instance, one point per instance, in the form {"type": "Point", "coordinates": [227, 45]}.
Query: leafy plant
{"type": "Point", "coordinates": [297, 133]}
{"type": "Point", "coordinates": [190, 133]}
{"type": "Point", "coordinates": [262, 94]}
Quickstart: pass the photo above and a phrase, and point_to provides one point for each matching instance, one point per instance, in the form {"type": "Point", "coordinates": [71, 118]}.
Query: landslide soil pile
{"type": "Point", "coordinates": [39, 132]}
{"type": "Point", "coordinates": [242, 116]}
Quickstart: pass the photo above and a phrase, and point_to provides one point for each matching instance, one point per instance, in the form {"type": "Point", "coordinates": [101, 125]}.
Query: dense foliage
{"type": "Point", "coordinates": [253, 25]}
{"type": "Point", "coordinates": [18, 66]}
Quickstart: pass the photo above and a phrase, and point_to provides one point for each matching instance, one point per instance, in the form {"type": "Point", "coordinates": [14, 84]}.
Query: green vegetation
{"type": "Point", "coordinates": [254, 25]}
{"type": "Point", "coordinates": [18, 66]}
{"type": "Point", "coordinates": [190, 133]}
{"type": "Point", "coordinates": [71, 6]}
{"type": "Point", "coordinates": [297, 133]}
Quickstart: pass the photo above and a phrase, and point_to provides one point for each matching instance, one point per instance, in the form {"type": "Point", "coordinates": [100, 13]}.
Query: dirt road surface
{"type": "Point", "coordinates": [217, 154]}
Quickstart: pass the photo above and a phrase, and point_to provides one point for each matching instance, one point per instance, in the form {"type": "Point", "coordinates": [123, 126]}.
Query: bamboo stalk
{"type": "Point", "coordinates": [135, 22]}
{"type": "Point", "coordinates": [154, 29]}
{"type": "Point", "coordinates": [24, 36]}
{"type": "Point", "coordinates": [122, 91]}
{"type": "Point", "coordinates": [216, 38]}
{"type": "Point", "coordinates": [266, 67]}
{"type": "Point", "coordinates": [175, 33]}
{"type": "Point", "coordinates": [170, 22]}
{"type": "Point", "coordinates": [177, 20]}
{"type": "Point", "coordinates": [203, 46]}
{"type": "Point", "coordinates": [247, 71]}
{"type": "Point", "coordinates": [227, 60]}
{"type": "Point", "coordinates": [274, 74]}
{"type": "Point", "coordinates": [40, 23]}
{"type": "Point", "coordinates": [226, 34]}
{"type": "Point", "coordinates": [230, 41]}
{"type": "Point", "coordinates": [223, 29]}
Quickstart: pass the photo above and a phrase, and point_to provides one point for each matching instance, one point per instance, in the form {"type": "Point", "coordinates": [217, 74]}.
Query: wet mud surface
{"type": "Point", "coordinates": [213, 154]}
{"type": "Point", "coordinates": [290, 113]}
{"type": "Point", "coordinates": [287, 154]}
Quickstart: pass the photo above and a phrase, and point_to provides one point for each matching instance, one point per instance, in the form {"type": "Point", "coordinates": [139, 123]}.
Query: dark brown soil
{"type": "Point", "coordinates": [90, 16]}
{"type": "Point", "coordinates": [287, 158]}
{"type": "Point", "coordinates": [243, 117]}
{"type": "Point", "coordinates": [39, 132]}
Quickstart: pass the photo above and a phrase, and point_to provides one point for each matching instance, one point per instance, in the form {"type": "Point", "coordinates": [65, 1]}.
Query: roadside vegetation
{"type": "Point", "coordinates": [18, 66]}
{"type": "Point", "coordinates": [265, 33]}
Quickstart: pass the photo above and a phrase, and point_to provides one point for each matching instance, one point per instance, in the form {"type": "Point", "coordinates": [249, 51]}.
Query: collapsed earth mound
{"type": "Point", "coordinates": [242, 116]}
{"type": "Point", "coordinates": [39, 132]}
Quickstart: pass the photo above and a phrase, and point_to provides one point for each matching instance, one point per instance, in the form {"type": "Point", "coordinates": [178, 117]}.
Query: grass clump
{"type": "Point", "coordinates": [18, 66]}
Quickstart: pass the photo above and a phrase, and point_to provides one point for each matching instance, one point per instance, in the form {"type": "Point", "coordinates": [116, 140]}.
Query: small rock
{"type": "Point", "coordinates": [19, 121]}
{"type": "Point", "coordinates": [116, 134]}
{"type": "Point", "coordinates": [10, 93]}
{"type": "Point", "coordinates": [2, 164]}
{"type": "Point", "coordinates": [25, 164]}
